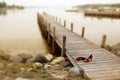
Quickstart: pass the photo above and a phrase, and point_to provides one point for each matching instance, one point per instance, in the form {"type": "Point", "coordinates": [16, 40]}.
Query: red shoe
{"type": "Point", "coordinates": [80, 58]}
{"type": "Point", "coordinates": [88, 59]}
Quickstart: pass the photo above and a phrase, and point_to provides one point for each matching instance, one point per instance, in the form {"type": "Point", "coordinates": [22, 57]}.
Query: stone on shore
{"type": "Point", "coordinates": [58, 60]}
{"type": "Point", "coordinates": [49, 57]}
{"type": "Point", "coordinates": [56, 71]}
{"type": "Point", "coordinates": [30, 60]}
{"type": "Point", "coordinates": [66, 64]}
{"type": "Point", "coordinates": [40, 58]}
{"type": "Point", "coordinates": [25, 56]}
{"type": "Point", "coordinates": [37, 65]}
{"type": "Point", "coordinates": [59, 76]}
{"type": "Point", "coordinates": [16, 59]}
{"type": "Point", "coordinates": [21, 79]}
{"type": "Point", "coordinates": [47, 66]}
{"type": "Point", "coordinates": [74, 72]}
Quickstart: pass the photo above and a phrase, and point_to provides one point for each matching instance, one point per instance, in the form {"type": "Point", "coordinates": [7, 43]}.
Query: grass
{"type": "Point", "coordinates": [25, 70]}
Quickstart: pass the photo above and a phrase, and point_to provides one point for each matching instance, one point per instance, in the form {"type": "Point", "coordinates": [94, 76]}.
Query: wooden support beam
{"type": "Point", "coordinates": [49, 33]}
{"type": "Point", "coordinates": [53, 41]}
{"type": "Point", "coordinates": [53, 18]}
{"type": "Point", "coordinates": [103, 41]}
{"type": "Point", "coordinates": [45, 29]}
{"type": "Point", "coordinates": [44, 33]}
{"type": "Point", "coordinates": [64, 23]}
{"type": "Point", "coordinates": [72, 27]}
{"type": "Point", "coordinates": [56, 19]}
{"type": "Point", "coordinates": [59, 20]}
{"type": "Point", "coordinates": [63, 47]}
{"type": "Point", "coordinates": [83, 32]}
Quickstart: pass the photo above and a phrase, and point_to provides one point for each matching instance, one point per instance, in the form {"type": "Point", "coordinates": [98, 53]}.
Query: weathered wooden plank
{"type": "Point", "coordinates": [104, 66]}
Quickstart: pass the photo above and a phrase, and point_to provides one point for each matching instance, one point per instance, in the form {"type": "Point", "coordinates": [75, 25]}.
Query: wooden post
{"type": "Point", "coordinates": [83, 31]}
{"type": "Point", "coordinates": [49, 33]}
{"type": "Point", "coordinates": [53, 41]}
{"type": "Point", "coordinates": [45, 28]}
{"type": "Point", "coordinates": [53, 18]}
{"type": "Point", "coordinates": [72, 27]}
{"type": "Point", "coordinates": [64, 23]}
{"type": "Point", "coordinates": [60, 21]}
{"type": "Point", "coordinates": [63, 47]}
{"type": "Point", "coordinates": [103, 41]}
{"type": "Point", "coordinates": [56, 19]}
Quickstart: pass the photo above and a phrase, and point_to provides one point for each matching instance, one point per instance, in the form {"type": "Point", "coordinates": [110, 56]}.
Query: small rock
{"type": "Point", "coordinates": [49, 57]}
{"type": "Point", "coordinates": [30, 69]}
{"type": "Point", "coordinates": [25, 56]}
{"type": "Point", "coordinates": [16, 59]}
{"type": "Point", "coordinates": [47, 67]}
{"type": "Point", "coordinates": [66, 64]}
{"type": "Point", "coordinates": [58, 60]}
{"type": "Point", "coordinates": [21, 79]}
{"type": "Point", "coordinates": [22, 69]}
{"type": "Point", "coordinates": [74, 72]}
{"type": "Point", "coordinates": [67, 68]}
{"type": "Point", "coordinates": [40, 58]}
{"type": "Point", "coordinates": [37, 65]}
{"type": "Point", "coordinates": [30, 60]}
{"type": "Point", "coordinates": [63, 76]}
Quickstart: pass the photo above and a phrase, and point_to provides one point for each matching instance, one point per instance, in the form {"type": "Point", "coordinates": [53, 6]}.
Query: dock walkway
{"type": "Point", "coordinates": [104, 66]}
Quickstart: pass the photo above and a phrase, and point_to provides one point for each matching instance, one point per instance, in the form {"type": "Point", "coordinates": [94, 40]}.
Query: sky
{"type": "Point", "coordinates": [57, 3]}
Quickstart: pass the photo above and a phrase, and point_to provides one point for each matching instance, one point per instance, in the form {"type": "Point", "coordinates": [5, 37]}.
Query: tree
{"type": "Point", "coordinates": [3, 4]}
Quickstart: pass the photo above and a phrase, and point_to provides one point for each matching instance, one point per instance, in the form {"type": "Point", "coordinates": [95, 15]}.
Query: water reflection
{"type": "Point", "coordinates": [3, 12]}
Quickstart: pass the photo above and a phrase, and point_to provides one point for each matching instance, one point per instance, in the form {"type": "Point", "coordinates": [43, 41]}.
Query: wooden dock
{"type": "Point", "coordinates": [104, 66]}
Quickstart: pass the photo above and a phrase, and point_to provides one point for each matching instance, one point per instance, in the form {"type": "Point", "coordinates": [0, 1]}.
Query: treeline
{"type": "Point", "coordinates": [4, 5]}
{"type": "Point", "coordinates": [99, 5]}
{"type": "Point", "coordinates": [116, 5]}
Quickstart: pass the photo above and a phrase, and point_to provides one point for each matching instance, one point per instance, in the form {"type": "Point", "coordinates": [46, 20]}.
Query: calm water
{"type": "Point", "coordinates": [19, 30]}
{"type": "Point", "coordinates": [95, 27]}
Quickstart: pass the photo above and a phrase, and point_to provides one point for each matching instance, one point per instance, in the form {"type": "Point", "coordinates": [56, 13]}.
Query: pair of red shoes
{"type": "Point", "coordinates": [85, 59]}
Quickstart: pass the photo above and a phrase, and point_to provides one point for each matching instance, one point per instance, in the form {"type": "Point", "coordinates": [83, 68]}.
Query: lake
{"type": "Point", "coordinates": [19, 32]}
{"type": "Point", "coordinates": [19, 29]}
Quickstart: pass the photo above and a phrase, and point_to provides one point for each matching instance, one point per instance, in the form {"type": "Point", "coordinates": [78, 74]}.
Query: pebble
{"type": "Point", "coordinates": [37, 65]}
{"type": "Point", "coordinates": [47, 66]}
{"type": "Point", "coordinates": [21, 79]}
{"type": "Point", "coordinates": [74, 72]}
{"type": "Point", "coordinates": [58, 60]}
{"type": "Point", "coordinates": [49, 57]}
{"type": "Point", "coordinates": [16, 59]}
